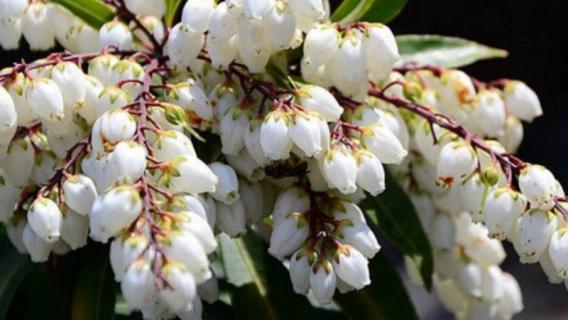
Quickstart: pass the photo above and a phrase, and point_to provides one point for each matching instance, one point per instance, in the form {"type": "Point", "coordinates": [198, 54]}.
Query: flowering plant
{"type": "Point", "coordinates": [247, 153]}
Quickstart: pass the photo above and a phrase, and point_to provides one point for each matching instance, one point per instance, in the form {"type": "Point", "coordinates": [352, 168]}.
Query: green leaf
{"type": "Point", "coordinates": [368, 10]}
{"type": "Point", "coordinates": [384, 298]}
{"type": "Point", "coordinates": [262, 284]}
{"type": "Point", "coordinates": [450, 52]}
{"type": "Point", "coordinates": [394, 214]}
{"type": "Point", "coordinates": [94, 294]}
{"type": "Point", "coordinates": [93, 12]}
{"type": "Point", "coordinates": [172, 7]}
{"type": "Point", "coordinates": [383, 10]}
{"type": "Point", "coordinates": [13, 269]}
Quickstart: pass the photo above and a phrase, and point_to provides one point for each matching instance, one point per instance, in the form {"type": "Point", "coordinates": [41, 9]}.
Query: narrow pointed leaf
{"type": "Point", "coordinates": [384, 298]}
{"type": "Point", "coordinates": [93, 12]}
{"type": "Point", "coordinates": [368, 10]}
{"type": "Point", "coordinates": [172, 7]}
{"type": "Point", "coordinates": [450, 52]}
{"type": "Point", "coordinates": [262, 284]}
{"type": "Point", "coordinates": [394, 214]}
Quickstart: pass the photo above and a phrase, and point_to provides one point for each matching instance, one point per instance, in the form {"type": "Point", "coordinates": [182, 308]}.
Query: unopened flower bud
{"type": "Point", "coordinates": [115, 33]}
{"type": "Point", "coordinates": [532, 234]}
{"type": "Point", "coordinates": [79, 192]}
{"type": "Point", "coordinates": [522, 101]}
{"type": "Point", "coordinates": [457, 161]}
{"type": "Point", "coordinates": [44, 218]}
{"type": "Point", "coordinates": [323, 281]}
{"type": "Point", "coordinates": [288, 235]}
{"type": "Point", "coordinates": [231, 219]}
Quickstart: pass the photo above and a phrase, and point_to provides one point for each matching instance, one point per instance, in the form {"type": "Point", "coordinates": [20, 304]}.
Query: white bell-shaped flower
{"type": "Point", "coordinates": [233, 126]}
{"type": "Point", "coordinates": [370, 173]}
{"type": "Point", "coordinates": [74, 229]}
{"type": "Point", "coordinates": [171, 144]}
{"type": "Point", "coordinates": [538, 185]}
{"type": "Point", "coordinates": [323, 281]}
{"type": "Point", "coordinates": [115, 33]}
{"type": "Point", "coordinates": [275, 135]}
{"type": "Point", "coordinates": [292, 200]}
{"type": "Point", "coordinates": [503, 207]}
{"type": "Point", "coordinates": [457, 161]}
{"type": "Point", "coordinates": [155, 8]}
{"type": "Point", "coordinates": [184, 44]}
{"type": "Point", "coordinates": [44, 218]}
{"type": "Point", "coordinates": [37, 28]}
{"type": "Point", "coordinates": [45, 99]}
{"type": "Point", "coordinates": [127, 162]}
{"type": "Point", "coordinates": [191, 175]}
{"type": "Point", "coordinates": [181, 289]}
{"type": "Point", "coordinates": [318, 99]}
{"type": "Point", "coordinates": [361, 237]}
{"type": "Point", "coordinates": [138, 284]}
{"type": "Point", "coordinates": [511, 301]}
{"type": "Point", "coordinates": [196, 14]}
{"type": "Point", "coordinates": [257, 9]}
{"type": "Point", "coordinates": [8, 117]}
{"type": "Point", "coordinates": [79, 192]}
{"type": "Point", "coordinates": [490, 114]}
{"type": "Point", "coordinates": [339, 168]}
{"type": "Point", "coordinates": [352, 267]}
{"type": "Point", "coordinates": [190, 96]}
{"type": "Point", "coordinates": [532, 234]}
{"type": "Point", "coordinates": [19, 162]}
{"type": "Point", "coordinates": [123, 252]}
{"type": "Point", "coordinates": [222, 51]}
{"type": "Point", "coordinates": [558, 251]}
{"type": "Point", "coordinates": [255, 47]}
{"type": "Point", "coordinates": [69, 77]}
{"type": "Point", "coordinates": [280, 24]}
{"type": "Point", "coordinates": [383, 144]}
{"type": "Point", "coordinates": [223, 23]}
{"type": "Point", "coordinates": [101, 68]}
{"type": "Point", "coordinates": [522, 101]}
{"type": "Point", "coordinates": [185, 247]}
{"type": "Point", "coordinates": [231, 219]}
{"type": "Point", "coordinates": [38, 249]}
{"type": "Point", "coordinates": [310, 133]}
{"type": "Point", "coordinates": [116, 125]}
{"type": "Point", "coordinates": [200, 228]}
{"type": "Point", "coordinates": [113, 211]}
{"type": "Point", "coordinates": [321, 44]}
{"type": "Point", "coordinates": [300, 270]}
{"type": "Point", "coordinates": [12, 9]}
{"type": "Point", "coordinates": [348, 69]}
{"type": "Point", "coordinates": [314, 9]}
{"type": "Point", "coordinates": [253, 199]}
{"type": "Point", "coordinates": [288, 235]}
{"type": "Point", "coordinates": [227, 190]}
{"type": "Point", "coordinates": [382, 51]}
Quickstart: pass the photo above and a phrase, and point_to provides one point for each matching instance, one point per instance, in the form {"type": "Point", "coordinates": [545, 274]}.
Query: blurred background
{"type": "Point", "coordinates": [535, 34]}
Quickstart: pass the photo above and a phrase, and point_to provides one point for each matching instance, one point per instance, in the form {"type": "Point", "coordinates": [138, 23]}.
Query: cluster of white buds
{"type": "Point", "coordinates": [348, 57]}
{"type": "Point", "coordinates": [326, 239]}
{"type": "Point", "coordinates": [41, 24]}
{"type": "Point", "coordinates": [247, 31]}
{"type": "Point", "coordinates": [452, 170]}
{"type": "Point", "coordinates": [98, 155]}
{"type": "Point", "coordinates": [492, 110]}
{"type": "Point", "coordinates": [100, 145]}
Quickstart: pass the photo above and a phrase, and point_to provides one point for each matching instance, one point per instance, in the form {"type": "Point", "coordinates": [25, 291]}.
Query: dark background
{"type": "Point", "coordinates": [535, 34]}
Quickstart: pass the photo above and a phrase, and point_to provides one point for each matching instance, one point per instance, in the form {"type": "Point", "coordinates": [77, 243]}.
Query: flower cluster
{"type": "Point", "coordinates": [100, 145]}
{"type": "Point", "coordinates": [453, 170]}
{"type": "Point", "coordinates": [348, 57]}
{"type": "Point", "coordinates": [327, 240]}
{"type": "Point", "coordinates": [246, 30]}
